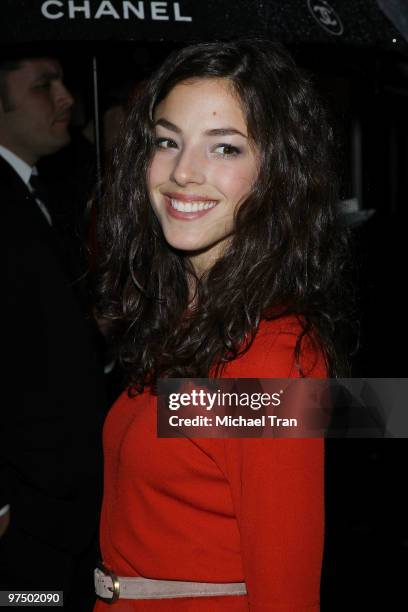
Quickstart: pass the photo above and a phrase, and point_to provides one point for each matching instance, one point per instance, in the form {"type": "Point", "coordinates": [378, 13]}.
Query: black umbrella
{"type": "Point", "coordinates": [382, 23]}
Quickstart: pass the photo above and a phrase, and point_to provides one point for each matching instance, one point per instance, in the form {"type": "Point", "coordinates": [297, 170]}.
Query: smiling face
{"type": "Point", "coordinates": [203, 167]}
{"type": "Point", "coordinates": [35, 116]}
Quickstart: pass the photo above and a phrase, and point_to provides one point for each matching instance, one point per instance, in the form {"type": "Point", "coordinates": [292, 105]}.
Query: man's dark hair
{"type": "Point", "coordinates": [7, 66]}
{"type": "Point", "coordinates": [12, 58]}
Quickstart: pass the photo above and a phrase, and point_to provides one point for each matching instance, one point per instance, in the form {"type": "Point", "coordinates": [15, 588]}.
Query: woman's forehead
{"type": "Point", "coordinates": [203, 99]}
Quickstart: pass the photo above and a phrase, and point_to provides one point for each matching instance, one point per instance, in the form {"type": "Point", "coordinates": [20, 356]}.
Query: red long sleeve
{"type": "Point", "coordinates": [277, 490]}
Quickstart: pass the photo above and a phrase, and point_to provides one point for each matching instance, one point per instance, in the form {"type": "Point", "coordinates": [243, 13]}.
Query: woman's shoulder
{"type": "Point", "coordinates": [272, 354]}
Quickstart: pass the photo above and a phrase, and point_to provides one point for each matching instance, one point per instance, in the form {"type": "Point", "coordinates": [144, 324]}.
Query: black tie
{"type": "Point", "coordinates": [40, 193]}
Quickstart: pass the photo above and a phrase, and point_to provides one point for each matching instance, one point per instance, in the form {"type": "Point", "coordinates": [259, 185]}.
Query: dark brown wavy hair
{"type": "Point", "coordinates": [287, 254]}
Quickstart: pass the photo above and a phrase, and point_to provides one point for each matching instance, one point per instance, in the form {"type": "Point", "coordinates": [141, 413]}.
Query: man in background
{"type": "Point", "coordinates": [50, 423]}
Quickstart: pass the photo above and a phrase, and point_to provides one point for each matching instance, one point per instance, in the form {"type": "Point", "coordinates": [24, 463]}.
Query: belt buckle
{"type": "Point", "coordinates": [115, 584]}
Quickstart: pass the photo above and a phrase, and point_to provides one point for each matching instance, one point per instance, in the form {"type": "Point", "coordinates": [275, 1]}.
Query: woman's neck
{"type": "Point", "coordinates": [202, 261]}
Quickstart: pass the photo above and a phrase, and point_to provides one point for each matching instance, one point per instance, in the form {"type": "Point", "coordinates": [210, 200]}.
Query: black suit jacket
{"type": "Point", "coordinates": [50, 430]}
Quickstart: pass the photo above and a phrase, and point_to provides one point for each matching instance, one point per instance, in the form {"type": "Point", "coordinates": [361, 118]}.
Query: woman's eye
{"type": "Point", "coordinates": [227, 150]}
{"type": "Point", "coordinates": [165, 143]}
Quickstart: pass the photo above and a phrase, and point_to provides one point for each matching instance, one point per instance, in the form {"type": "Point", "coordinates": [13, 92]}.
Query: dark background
{"type": "Point", "coordinates": [364, 83]}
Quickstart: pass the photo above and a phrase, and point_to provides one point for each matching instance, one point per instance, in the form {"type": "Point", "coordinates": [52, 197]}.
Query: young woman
{"type": "Point", "coordinates": [220, 258]}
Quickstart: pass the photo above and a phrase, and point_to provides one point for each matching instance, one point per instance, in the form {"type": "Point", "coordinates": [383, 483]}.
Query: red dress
{"type": "Point", "coordinates": [217, 510]}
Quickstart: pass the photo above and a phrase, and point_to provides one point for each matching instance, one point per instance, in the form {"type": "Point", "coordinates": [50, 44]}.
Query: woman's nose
{"type": "Point", "coordinates": [188, 168]}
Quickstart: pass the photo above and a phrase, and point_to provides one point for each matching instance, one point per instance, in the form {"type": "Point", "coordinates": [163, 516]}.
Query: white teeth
{"type": "Point", "coordinates": [191, 206]}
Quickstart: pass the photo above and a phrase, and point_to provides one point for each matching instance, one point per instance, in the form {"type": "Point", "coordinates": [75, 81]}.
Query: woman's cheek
{"type": "Point", "coordinates": [235, 183]}
{"type": "Point", "coordinates": [153, 175]}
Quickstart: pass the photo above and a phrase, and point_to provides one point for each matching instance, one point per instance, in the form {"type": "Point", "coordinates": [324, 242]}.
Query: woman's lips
{"type": "Point", "coordinates": [184, 215]}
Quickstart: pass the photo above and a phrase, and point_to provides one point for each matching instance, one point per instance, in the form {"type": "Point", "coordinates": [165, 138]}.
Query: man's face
{"type": "Point", "coordinates": [35, 117]}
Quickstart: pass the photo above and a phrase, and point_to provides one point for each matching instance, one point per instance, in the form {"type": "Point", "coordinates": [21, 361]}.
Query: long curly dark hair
{"type": "Point", "coordinates": [286, 256]}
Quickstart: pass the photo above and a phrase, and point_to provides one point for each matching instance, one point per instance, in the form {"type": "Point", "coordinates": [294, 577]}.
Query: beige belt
{"type": "Point", "coordinates": [110, 587]}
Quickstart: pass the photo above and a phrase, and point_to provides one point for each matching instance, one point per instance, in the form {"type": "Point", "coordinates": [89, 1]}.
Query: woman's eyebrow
{"type": "Point", "coordinates": [167, 124]}
{"type": "Point", "coordinates": [228, 131]}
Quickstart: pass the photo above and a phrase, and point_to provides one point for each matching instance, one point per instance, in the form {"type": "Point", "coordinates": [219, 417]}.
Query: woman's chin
{"type": "Point", "coordinates": [189, 247]}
